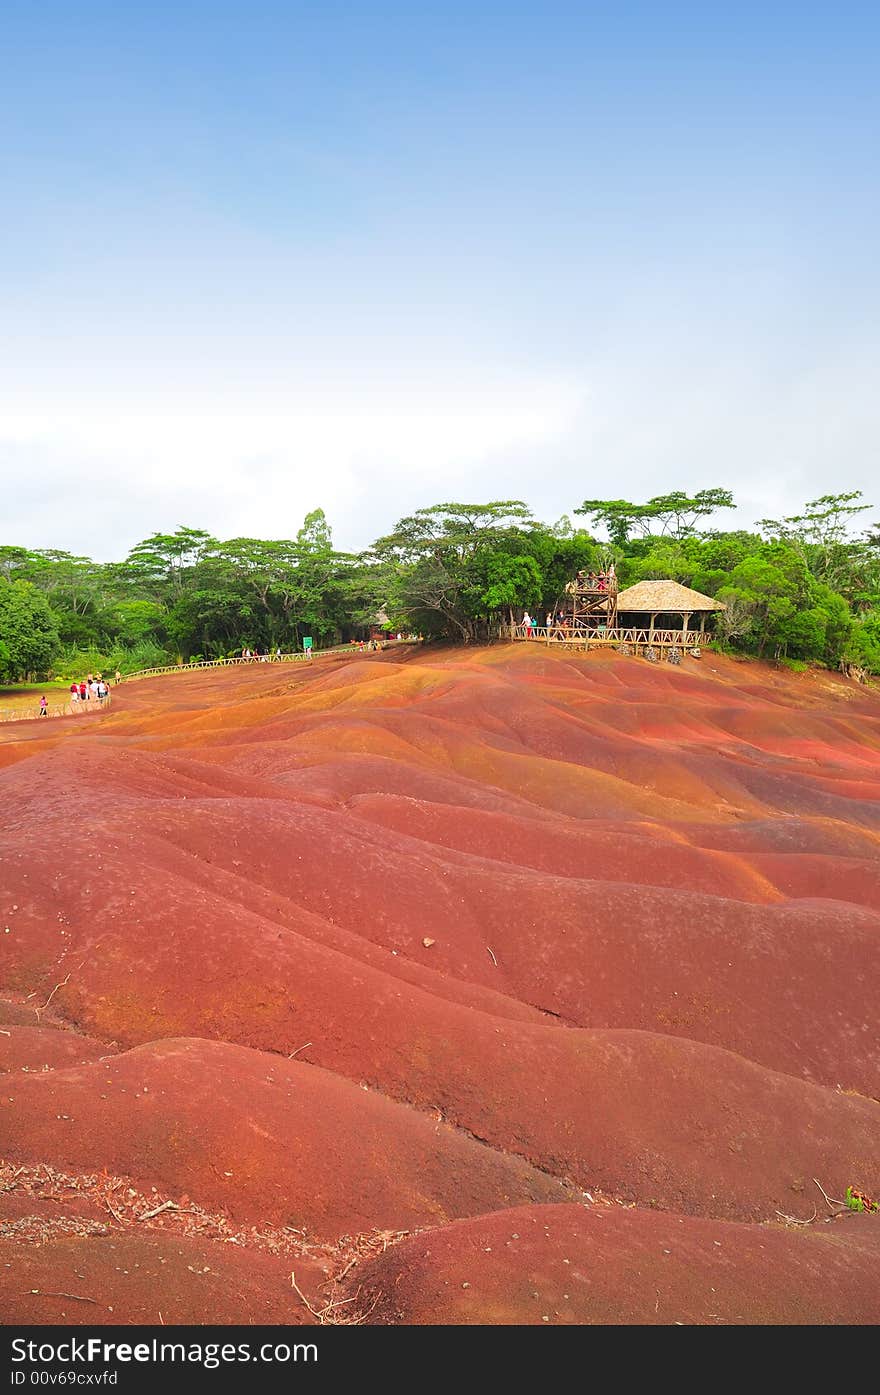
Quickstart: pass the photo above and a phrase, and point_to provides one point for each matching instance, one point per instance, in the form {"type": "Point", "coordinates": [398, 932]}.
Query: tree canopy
{"type": "Point", "coordinates": [803, 587]}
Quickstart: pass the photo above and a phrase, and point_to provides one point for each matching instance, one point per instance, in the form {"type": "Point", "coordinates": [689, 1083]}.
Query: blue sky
{"type": "Point", "coordinates": [259, 258]}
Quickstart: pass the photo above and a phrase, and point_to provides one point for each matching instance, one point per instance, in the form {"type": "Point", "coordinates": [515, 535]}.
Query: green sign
{"type": "Point", "coordinates": [307, 642]}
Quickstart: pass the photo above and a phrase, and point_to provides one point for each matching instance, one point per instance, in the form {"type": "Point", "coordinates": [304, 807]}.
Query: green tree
{"type": "Point", "coordinates": [769, 587]}
{"type": "Point", "coordinates": [28, 635]}
{"type": "Point", "coordinates": [159, 564]}
{"type": "Point", "coordinates": [435, 567]}
{"type": "Point", "coordinates": [821, 536]}
{"type": "Point", "coordinates": [674, 515]}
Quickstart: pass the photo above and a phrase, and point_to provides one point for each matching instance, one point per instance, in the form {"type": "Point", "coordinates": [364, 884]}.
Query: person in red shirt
{"type": "Point", "coordinates": [83, 692]}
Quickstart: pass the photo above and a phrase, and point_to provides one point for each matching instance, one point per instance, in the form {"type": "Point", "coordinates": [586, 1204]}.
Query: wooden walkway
{"type": "Point", "coordinates": [668, 644]}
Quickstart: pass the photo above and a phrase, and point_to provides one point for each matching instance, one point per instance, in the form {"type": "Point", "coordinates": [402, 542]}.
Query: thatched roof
{"type": "Point", "coordinates": [654, 597]}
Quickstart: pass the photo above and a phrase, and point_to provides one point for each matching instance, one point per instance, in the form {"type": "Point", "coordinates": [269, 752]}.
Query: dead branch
{"type": "Point", "coordinates": [795, 1220]}
{"type": "Point", "coordinates": [337, 1278]}
{"type": "Point", "coordinates": [830, 1200]}
{"type": "Point", "coordinates": [62, 984]}
{"type": "Point", "coordinates": [157, 1210]}
{"type": "Point", "coordinates": [492, 956]}
{"type": "Point", "coordinates": [75, 1297]}
{"type": "Point", "coordinates": [314, 1311]}
{"type": "Point", "coordinates": [115, 1214]}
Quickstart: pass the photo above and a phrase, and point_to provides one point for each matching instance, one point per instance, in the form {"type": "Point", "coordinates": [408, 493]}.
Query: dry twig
{"type": "Point", "coordinates": [492, 956]}
{"type": "Point", "coordinates": [298, 1050]}
{"type": "Point", "coordinates": [62, 984]}
{"type": "Point", "coordinates": [157, 1210]}
{"type": "Point", "coordinates": [795, 1220]}
{"type": "Point", "coordinates": [75, 1297]}
{"type": "Point", "coordinates": [314, 1311]}
{"type": "Point", "coordinates": [115, 1214]}
{"type": "Point", "coordinates": [830, 1200]}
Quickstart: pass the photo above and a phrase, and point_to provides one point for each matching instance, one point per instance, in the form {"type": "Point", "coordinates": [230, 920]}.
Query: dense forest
{"type": "Point", "coordinates": [799, 589]}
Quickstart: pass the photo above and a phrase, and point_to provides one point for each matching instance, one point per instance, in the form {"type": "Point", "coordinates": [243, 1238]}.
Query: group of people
{"type": "Point", "coordinates": [558, 621]}
{"type": "Point", "coordinates": [596, 581]}
{"type": "Point", "coordinates": [562, 620]}
{"type": "Point", "coordinates": [94, 688]}
{"type": "Point", "coordinates": [253, 656]}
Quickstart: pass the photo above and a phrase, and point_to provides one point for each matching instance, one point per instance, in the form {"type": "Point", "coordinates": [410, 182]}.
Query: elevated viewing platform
{"type": "Point", "coordinates": [590, 600]}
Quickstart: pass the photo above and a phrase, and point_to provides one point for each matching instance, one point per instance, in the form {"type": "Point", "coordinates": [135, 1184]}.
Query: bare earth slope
{"type": "Point", "coordinates": [378, 958]}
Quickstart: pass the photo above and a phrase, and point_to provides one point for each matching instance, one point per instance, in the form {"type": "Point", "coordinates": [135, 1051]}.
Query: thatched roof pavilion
{"type": "Point", "coordinates": [665, 597]}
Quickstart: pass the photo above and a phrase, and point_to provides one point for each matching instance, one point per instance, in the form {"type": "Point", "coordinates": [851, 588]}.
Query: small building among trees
{"type": "Point", "coordinates": [665, 605]}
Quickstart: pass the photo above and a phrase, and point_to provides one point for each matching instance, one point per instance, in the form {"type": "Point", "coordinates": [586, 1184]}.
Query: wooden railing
{"type": "Point", "coordinates": [617, 637]}
{"type": "Point", "coordinates": [580, 588]}
{"type": "Point", "coordinates": [238, 659]}
{"type": "Point", "coordinates": [90, 708]}
{"type": "Point", "coordinates": [69, 709]}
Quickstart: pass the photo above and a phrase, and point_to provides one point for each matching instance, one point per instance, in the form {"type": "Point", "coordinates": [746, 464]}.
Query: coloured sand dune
{"type": "Point", "coordinates": [469, 985]}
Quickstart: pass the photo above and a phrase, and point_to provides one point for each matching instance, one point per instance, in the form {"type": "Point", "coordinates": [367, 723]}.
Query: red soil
{"type": "Point", "coordinates": [28, 1048]}
{"type": "Point", "coordinates": [570, 1264]}
{"type": "Point", "coordinates": [252, 1134]}
{"type": "Point", "coordinates": [575, 922]}
{"type": "Point", "coordinates": [147, 1278]}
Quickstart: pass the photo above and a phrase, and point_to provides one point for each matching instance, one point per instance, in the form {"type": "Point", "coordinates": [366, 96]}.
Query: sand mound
{"type": "Point", "coordinates": [261, 1138]}
{"type": "Point", "coordinates": [150, 1279]}
{"type": "Point", "coordinates": [574, 1264]}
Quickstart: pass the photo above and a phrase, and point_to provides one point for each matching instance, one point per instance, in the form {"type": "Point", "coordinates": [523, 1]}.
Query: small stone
{"type": "Point", "coordinates": [427, 942]}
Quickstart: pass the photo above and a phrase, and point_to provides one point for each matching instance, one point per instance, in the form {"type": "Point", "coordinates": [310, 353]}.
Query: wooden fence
{"type": "Point", "coordinates": [90, 708]}
{"type": "Point", "coordinates": [238, 659]}
{"type": "Point", "coordinates": [634, 641]}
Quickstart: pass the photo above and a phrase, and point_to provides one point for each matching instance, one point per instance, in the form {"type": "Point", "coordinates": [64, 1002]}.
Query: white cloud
{"type": "Point", "coordinates": [256, 467]}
